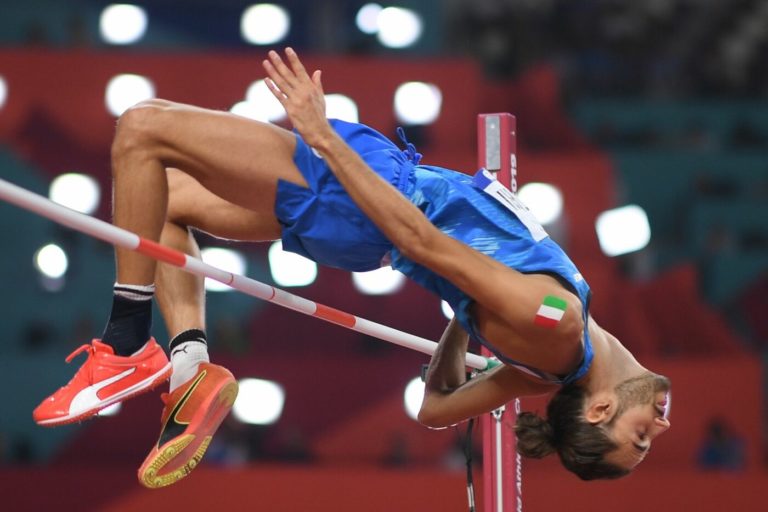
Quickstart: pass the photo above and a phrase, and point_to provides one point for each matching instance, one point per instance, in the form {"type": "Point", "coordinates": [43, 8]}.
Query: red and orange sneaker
{"type": "Point", "coordinates": [191, 415]}
{"type": "Point", "coordinates": [104, 379]}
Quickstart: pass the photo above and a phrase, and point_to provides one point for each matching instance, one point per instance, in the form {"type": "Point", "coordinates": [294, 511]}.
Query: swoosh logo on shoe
{"type": "Point", "coordinates": [173, 427]}
{"type": "Point", "coordinates": [88, 397]}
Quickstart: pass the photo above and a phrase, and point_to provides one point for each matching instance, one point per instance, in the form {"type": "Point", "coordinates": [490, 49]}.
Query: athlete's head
{"type": "Point", "coordinates": [602, 436]}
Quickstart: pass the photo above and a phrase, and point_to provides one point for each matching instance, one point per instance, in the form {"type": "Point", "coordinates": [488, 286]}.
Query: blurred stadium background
{"type": "Point", "coordinates": [649, 116]}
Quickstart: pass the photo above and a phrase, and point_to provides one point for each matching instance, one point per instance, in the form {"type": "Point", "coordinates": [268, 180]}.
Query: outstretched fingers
{"type": "Point", "coordinates": [298, 68]}
{"type": "Point", "coordinates": [274, 88]}
{"type": "Point", "coordinates": [279, 74]}
{"type": "Point", "coordinates": [287, 79]}
{"type": "Point", "coordinates": [301, 95]}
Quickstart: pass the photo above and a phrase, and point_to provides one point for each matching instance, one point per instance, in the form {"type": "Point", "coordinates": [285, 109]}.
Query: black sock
{"type": "Point", "coordinates": [185, 336]}
{"type": "Point", "coordinates": [129, 322]}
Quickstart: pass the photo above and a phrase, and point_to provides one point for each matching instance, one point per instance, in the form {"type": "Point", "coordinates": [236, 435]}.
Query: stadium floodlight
{"type": "Point", "coordinates": [623, 230]}
{"type": "Point", "coordinates": [290, 269]}
{"type": "Point", "coordinates": [122, 23]}
{"type": "Point", "coordinates": [545, 201]}
{"type": "Point", "coordinates": [413, 397]}
{"type": "Point", "coordinates": [225, 259]}
{"type": "Point", "coordinates": [398, 27]}
{"type": "Point", "coordinates": [259, 402]}
{"type": "Point", "coordinates": [367, 19]}
{"type": "Point", "coordinates": [126, 90]}
{"type": "Point", "coordinates": [265, 24]}
{"type": "Point", "coordinates": [77, 191]}
{"type": "Point", "coordinates": [418, 103]}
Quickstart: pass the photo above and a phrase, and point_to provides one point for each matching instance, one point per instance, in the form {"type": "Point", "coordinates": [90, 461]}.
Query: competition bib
{"type": "Point", "coordinates": [488, 183]}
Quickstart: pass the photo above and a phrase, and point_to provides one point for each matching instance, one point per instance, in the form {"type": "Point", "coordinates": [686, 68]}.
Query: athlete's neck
{"type": "Point", "coordinates": [612, 363]}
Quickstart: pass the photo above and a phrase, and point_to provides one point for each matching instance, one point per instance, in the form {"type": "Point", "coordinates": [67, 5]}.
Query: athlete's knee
{"type": "Point", "coordinates": [137, 126]}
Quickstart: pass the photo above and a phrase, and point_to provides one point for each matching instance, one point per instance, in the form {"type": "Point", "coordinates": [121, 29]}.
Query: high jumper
{"type": "Point", "coordinates": [345, 196]}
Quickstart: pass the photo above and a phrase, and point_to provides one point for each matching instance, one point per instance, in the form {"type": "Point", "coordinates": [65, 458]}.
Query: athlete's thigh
{"type": "Point", "coordinates": [236, 158]}
{"type": "Point", "coordinates": [192, 205]}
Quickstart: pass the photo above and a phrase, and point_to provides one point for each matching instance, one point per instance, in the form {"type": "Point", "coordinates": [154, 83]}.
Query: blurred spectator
{"type": "Point", "coordinates": [749, 312]}
{"type": "Point", "coordinates": [398, 454]}
{"type": "Point", "coordinates": [230, 446]}
{"type": "Point", "coordinates": [745, 135]}
{"type": "Point", "coordinates": [22, 451]}
{"type": "Point", "coordinates": [722, 448]}
{"type": "Point", "coordinates": [294, 446]}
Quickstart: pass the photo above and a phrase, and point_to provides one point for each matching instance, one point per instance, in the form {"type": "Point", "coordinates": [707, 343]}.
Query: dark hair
{"type": "Point", "coordinates": [580, 445]}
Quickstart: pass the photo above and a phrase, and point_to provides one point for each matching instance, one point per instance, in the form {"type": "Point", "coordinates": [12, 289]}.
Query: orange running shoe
{"type": "Point", "coordinates": [192, 413]}
{"type": "Point", "coordinates": [104, 379]}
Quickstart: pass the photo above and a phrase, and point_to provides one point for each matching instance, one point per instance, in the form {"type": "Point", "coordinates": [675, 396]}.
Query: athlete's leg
{"type": "Point", "coordinates": [180, 294]}
{"type": "Point", "coordinates": [237, 159]}
{"type": "Point", "coordinates": [207, 390]}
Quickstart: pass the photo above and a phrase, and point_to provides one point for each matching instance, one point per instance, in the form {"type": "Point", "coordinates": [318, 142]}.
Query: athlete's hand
{"type": "Point", "coordinates": [301, 95]}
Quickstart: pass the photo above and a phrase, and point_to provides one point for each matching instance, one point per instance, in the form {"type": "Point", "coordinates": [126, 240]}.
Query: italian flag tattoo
{"type": "Point", "coordinates": [550, 312]}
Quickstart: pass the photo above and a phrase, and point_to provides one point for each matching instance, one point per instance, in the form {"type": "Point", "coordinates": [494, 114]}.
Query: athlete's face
{"type": "Point", "coordinates": [642, 415]}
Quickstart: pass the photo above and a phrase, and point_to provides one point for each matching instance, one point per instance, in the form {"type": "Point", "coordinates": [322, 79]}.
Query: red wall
{"type": "Point", "coordinates": [293, 489]}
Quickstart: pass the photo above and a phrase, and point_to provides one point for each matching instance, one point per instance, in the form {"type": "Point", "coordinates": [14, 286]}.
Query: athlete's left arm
{"type": "Point", "coordinates": [450, 398]}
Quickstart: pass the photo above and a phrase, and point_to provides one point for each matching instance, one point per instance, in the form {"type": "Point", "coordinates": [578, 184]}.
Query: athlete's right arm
{"type": "Point", "coordinates": [449, 398]}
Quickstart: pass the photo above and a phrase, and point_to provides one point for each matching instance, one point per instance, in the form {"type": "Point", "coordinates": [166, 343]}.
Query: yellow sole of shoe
{"type": "Point", "coordinates": [152, 479]}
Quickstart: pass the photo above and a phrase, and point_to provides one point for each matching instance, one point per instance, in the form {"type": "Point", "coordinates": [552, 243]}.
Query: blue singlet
{"type": "Point", "coordinates": [322, 223]}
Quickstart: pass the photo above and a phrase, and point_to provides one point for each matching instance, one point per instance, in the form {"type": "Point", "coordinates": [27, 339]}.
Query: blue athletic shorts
{"type": "Point", "coordinates": [322, 222]}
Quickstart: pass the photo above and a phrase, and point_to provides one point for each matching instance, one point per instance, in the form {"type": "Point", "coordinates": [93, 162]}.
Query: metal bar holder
{"type": "Point", "coordinates": [502, 472]}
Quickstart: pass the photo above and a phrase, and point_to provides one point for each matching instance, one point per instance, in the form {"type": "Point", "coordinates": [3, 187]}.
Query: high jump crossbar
{"type": "Point", "coordinates": [122, 238]}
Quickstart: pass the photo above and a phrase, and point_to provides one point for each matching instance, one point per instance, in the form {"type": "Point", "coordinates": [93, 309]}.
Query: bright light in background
{"type": "Point", "coordinates": [367, 18]}
{"type": "Point", "coordinates": [3, 91]}
{"type": "Point", "coordinates": [259, 402]}
{"type": "Point", "coordinates": [623, 230]}
{"type": "Point", "coordinates": [544, 200]}
{"type": "Point", "coordinates": [290, 269]}
{"type": "Point", "coordinates": [259, 104]}
{"type": "Point", "coordinates": [413, 397]}
{"type": "Point", "coordinates": [247, 109]}
{"type": "Point", "coordinates": [265, 24]}
{"type": "Point", "coordinates": [51, 261]}
{"type": "Point", "coordinates": [446, 309]}
{"type": "Point", "coordinates": [111, 410]}
{"type": "Point", "coordinates": [124, 91]}
{"type": "Point", "coordinates": [418, 103]}
{"type": "Point", "coordinates": [338, 106]}
{"type": "Point", "coordinates": [398, 27]}
{"type": "Point", "coordinates": [382, 281]}
{"type": "Point", "coordinates": [225, 259]}
{"type": "Point", "coordinates": [122, 23]}
{"type": "Point", "coordinates": [77, 191]}
{"type": "Point", "coordinates": [259, 94]}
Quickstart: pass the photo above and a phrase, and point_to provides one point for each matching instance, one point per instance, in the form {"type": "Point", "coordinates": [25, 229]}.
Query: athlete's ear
{"type": "Point", "coordinates": [600, 408]}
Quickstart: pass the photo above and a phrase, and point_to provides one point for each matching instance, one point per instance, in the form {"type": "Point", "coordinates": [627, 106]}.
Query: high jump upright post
{"type": "Point", "coordinates": [502, 476]}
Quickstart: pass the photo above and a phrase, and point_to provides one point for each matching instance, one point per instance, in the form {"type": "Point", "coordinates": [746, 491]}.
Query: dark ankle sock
{"type": "Point", "coordinates": [185, 336]}
{"type": "Point", "coordinates": [129, 324]}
